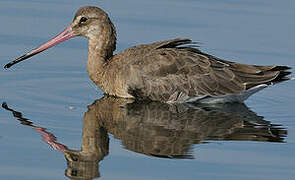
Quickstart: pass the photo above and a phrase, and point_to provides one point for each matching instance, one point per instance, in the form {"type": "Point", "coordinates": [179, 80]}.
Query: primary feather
{"type": "Point", "coordinates": [173, 71]}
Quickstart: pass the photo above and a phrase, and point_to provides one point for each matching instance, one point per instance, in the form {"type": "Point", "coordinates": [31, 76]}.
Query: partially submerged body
{"type": "Point", "coordinates": [173, 71]}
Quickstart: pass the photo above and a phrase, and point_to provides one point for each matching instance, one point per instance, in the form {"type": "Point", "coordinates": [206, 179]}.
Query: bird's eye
{"type": "Point", "coordinates": [83, 19]}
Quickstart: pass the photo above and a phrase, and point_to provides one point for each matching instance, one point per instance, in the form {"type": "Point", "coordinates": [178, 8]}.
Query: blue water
{"type": "Point", "coordinates": [53, 89]}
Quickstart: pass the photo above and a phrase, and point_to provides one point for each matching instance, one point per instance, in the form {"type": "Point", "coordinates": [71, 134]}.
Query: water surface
{"type": "Point", "coordinates": [53, 91]}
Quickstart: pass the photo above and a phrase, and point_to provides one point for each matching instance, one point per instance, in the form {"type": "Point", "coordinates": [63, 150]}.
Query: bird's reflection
{"type": "Point", "coordinates": [156, 129]}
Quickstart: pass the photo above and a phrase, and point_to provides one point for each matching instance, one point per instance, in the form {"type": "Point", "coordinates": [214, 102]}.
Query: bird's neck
{"type": "Point", "coordinates": [94, 137]}
{"type": "Point", "coordinates": [100, 51]}
{"type": "Point", "coordinates": [101, 47]}
{"type": "Point", "coordinates": [102, 43]}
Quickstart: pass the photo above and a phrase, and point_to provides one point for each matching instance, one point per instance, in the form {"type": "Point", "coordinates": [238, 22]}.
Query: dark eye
{"type": "Point", "coordinates": [83, 19]}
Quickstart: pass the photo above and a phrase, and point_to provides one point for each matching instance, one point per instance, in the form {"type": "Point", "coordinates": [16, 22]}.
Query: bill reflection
{"type": "Point", "coordinates": [155, 129]}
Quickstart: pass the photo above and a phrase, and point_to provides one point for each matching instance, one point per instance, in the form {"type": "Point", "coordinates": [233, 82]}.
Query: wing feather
{"type": "Point", "coordinates": [171, 73]}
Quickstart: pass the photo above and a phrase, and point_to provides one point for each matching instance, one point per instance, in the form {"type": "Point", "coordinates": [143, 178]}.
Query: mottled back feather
{"type": "Point", "coordinates": [173, 71]}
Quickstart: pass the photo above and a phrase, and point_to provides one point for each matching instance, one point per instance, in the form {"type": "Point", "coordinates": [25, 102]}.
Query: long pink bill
{"type": "Point", "coordinates": [65, 35]}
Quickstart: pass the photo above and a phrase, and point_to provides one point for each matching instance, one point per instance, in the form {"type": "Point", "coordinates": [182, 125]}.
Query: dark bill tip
{"type": "Point", "coordinates": [66, 34]}
{"type": "Point", "coordinates": [8, 65]}
{"type": "Point", "coordinates": [20, 59]}
{"type": "Point", "coordinates": [4, 105]}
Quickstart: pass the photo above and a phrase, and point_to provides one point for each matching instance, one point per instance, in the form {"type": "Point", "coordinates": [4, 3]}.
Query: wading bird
{"type": "Point", "coordinates": [168, 71]}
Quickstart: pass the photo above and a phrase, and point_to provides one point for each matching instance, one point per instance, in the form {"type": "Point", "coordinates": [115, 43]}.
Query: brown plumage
{"type": "Point", "coordinates": [167, 71]}
{"type": "Point", "coordinates": [156, 129]}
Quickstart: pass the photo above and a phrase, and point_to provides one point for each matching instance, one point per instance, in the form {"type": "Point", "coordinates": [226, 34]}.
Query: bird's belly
{"type": "Point", "coordinates": [207, 99]}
